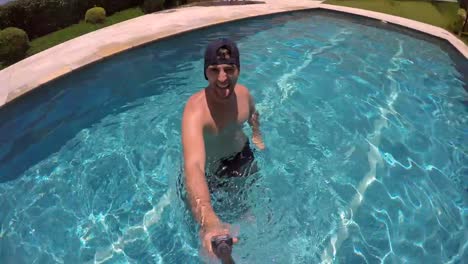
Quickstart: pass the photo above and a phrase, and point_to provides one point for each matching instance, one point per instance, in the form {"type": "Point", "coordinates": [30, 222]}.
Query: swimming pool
{"type": "Point", "coordinates": [366, 134]}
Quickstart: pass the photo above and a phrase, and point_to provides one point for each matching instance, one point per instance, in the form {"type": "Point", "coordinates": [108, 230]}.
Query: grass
{"type": "Point", "coordinates": [57, 37]}
{"type": "Point", "coordinates": [440, 14]}
{"type": "Point", "coordinates": [42, 43]}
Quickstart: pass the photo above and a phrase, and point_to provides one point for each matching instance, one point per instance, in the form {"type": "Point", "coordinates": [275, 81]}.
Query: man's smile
{"type": "Point", "coordinates": [223, 86]}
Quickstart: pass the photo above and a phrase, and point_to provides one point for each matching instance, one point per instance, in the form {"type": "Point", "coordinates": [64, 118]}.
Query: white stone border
{"type": "Point", "coordinates": [408, 23]}
{"type": "Point", "coordinates": [69, 56]}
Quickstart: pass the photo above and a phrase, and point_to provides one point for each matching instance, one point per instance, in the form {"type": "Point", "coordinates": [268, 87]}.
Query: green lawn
{"type": "Point", "coordinates": [440, 14]}
{"type": "Point", "coordinates": [55, 38]}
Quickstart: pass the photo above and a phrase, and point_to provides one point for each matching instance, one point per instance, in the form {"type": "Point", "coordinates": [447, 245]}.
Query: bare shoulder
{"type": "Point", "coordinates": [242, 90]}
{"type": "Point", "coordinates": [194, 103]}
{"type": "Point", "coordinates": [244, 93]}
{"type": "Point", "coordinates": [194, 107]}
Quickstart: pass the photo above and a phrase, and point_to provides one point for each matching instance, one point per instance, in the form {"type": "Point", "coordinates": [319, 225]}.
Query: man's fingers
{"type": "Point", "coordinates": [206, 237]}
{"type": "Point", "coordinates": [208, 249]}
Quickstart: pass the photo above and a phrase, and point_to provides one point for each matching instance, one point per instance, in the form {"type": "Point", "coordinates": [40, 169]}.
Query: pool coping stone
{"type": "Point", "coordinates": [39, 69]}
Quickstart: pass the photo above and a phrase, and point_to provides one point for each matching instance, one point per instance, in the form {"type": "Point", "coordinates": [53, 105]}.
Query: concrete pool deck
{"type": "Point", "coordinates": [67, 57]}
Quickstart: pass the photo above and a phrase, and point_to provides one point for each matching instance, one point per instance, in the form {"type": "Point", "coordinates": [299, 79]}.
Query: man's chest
{"type": "Point", "coordinates": [226, 121]}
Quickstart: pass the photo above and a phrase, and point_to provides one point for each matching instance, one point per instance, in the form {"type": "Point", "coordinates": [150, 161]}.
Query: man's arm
{"type": "Point", "coordinates": [254, 122]}
{"type": "Point", "coordinates": [194, 167]}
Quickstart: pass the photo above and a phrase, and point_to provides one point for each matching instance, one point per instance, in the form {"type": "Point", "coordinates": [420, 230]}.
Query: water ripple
{"type": "Point", "coordinates": [365, 161]}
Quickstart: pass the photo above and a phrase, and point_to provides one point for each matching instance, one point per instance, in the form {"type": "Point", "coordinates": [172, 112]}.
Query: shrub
{"type": "Point", "coordinates": [174, 3]}
{"type": "Point", "coordinates": [35, 16]}
{"type": "Point", "coordinates": [462, 15]}
{"type": "Point", "coordinates": [456, 25]}
{"type": "Point", "coordinates": [40, 17]}
{"type": "Point", "coordinates": [150, 6]}
{"type": "Point", "coordinates": [95, 15]}
{"type": "Point", "coordinates": [14, 43]}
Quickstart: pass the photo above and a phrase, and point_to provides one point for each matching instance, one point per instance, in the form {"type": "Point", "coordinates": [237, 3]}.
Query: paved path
{"type": "Point", "coordinates": [71, 55]}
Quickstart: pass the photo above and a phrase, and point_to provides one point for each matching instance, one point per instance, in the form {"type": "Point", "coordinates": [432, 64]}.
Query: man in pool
{"type": "Point", "coordinates": [212, 135]}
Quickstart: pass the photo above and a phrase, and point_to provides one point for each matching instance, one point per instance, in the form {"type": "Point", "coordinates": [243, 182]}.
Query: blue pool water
{"type": "Point", "coordinates": [366, 162]}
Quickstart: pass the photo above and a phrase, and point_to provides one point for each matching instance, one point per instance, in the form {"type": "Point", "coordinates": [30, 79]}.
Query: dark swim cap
{"type": "Point", "coordinates": [211, 53]}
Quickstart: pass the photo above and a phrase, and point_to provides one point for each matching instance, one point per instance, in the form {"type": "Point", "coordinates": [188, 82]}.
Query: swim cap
{"type": "Point", "coordinates": [211, 53]}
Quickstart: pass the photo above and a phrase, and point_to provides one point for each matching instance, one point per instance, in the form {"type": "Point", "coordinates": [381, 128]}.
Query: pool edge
{"type": "Point", "coordinates": [59, 68]}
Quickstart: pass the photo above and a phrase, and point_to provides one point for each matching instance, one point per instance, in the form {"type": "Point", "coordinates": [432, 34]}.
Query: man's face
{"type": "Point", "coordinates": [222, 79]}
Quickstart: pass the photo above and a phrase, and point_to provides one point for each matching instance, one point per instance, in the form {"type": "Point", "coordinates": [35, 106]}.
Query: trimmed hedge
{"type": "Point", "coordinates": [14, 43]}
{"type": "Point", "coordinates": [464, 5]}
{"type": "Point", "coordinates": [456, 26]}
{"type": "Point", "coordinates": [150, 6]}
{"type": "Point", "coordinates": [40, 17]}
{"type": "Point", "coordinates": [95, 15]}
{"type": "Point", "coordinates": [174, 3]}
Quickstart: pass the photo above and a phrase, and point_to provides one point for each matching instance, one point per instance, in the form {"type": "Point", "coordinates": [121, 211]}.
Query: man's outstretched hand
{"type": "Point", "coordinates": [211, 231]}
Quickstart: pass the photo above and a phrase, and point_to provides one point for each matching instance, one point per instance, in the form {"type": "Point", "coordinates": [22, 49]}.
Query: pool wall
{"type": "Point", "coordinates": [58, 61]}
